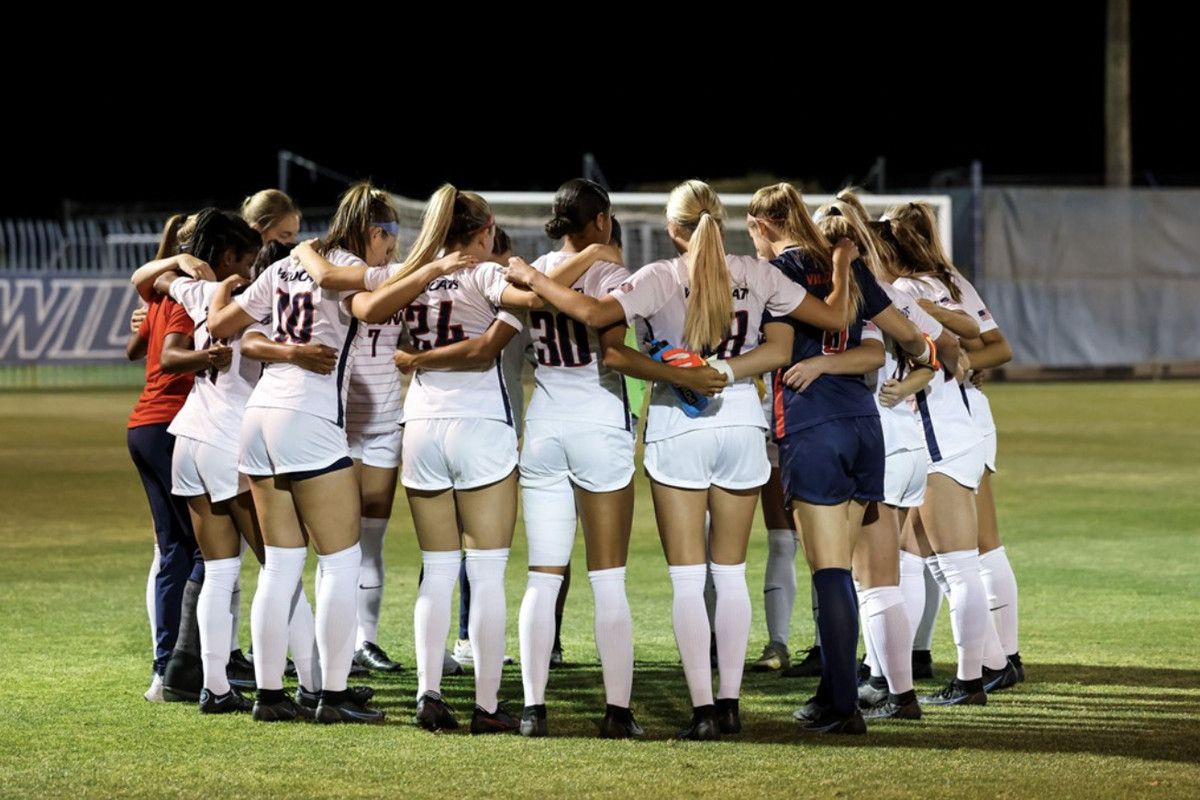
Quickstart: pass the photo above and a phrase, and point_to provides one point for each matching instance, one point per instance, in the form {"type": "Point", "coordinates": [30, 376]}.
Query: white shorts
{"type": "Point", "coordinates": [597, 458]}
{"type": "Point", "coordinates": [458, 453]}
{"type": "Point", "coordinates": [772, 453]}
{"type": "Point", "coordinates": [733, 458]}
{"type": "Point", "coordinates": [989, 450]}
{"type": "Point", "coordinates": [904, 476]}
{"type": "Point", "coordinates": [279, 441]}
{"type": "Point", "coordinates": [376, 449]}
{"type": "Point", "coordinates": [198, 468]}
{"type": "Point", "coordinates": [965, 468]}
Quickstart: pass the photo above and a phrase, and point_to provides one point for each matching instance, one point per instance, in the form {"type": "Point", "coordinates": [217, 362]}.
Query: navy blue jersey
{"type": "Point", "coordinates": [829, 396]}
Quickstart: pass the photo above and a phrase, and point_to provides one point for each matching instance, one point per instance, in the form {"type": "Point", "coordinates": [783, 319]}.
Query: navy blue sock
{"type": "Point", "coordinates": [838, 623]}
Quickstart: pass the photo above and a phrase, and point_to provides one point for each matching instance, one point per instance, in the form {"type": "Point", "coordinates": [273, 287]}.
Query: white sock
{"type": "Point", "coordinates": [968, 609]}
{"type": "Point", "coordinates": [431, 616]}
{"type": "Point", "coordinates": [370, 578]}
{"type": "Point", "coordinates": [302, 640]}
{"type": "Point", "coordinates": [993, 652]}
{"type": "Point", "coordinates": [912, 586]}
{"type": "Point", "coordinates": [886, 618]}
{"type": "Point", "coordinates": [152, 598]}
{"type": "Point", "coordinates": [536, 626]}
{"type": "Point", "coordinates": [692, 633]}
{"type": "Point", "coordinates": [1001, 585]}
{"type": "Point", "coordinates": [869, 658]}
{"type": "Point", "coordinates": [614, 634]}
{"type": "Point", "coordinates": [281, 570]}
{"type": "Point", "coordinates": [779, 583]}
{"type": "Point", "coordinates": [212, 616]}
{"type": "Point", "coordinates": [485, 570]}
{"type": "Point", "coordinates": [336, 611]}
{"type": "Point", "coordinates": [733, 626]}
{"type": "Point", "coordinates": [923, 635]}
{"type": "Point", "coordinates": [816, 609]}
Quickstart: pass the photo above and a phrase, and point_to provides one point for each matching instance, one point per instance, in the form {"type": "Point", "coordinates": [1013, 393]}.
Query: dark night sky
{"type": "Point", "coordinates": [1018, 87]}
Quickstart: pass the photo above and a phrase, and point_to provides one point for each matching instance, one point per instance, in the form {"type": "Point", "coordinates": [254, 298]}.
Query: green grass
{"type": "Point", "coordinates": [1098, 507]}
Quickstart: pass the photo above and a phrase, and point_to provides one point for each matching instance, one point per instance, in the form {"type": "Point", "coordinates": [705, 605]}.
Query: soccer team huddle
{"type": "Point", "coordinates": [834, 374]}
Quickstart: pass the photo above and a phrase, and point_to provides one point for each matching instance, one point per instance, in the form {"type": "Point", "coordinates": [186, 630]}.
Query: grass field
{"type": "Point", "coordinates": [1099, 508]}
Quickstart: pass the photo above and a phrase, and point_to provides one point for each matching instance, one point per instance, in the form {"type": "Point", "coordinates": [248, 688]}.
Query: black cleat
{"type": "Point", "coordinates": [279, 710]}
{"type": "Point", "coordinates": [499, 721]}
{"type": "Point", "coordinates": [433, 714]}
{"type": "Point", "coordinates": [1015, 660]}
{"type": "Point", "coordinates": [995, 680]}
{"type": "Point", "coordinates": [341, 707]}
{"type": "Point", "coordinates": [359, 694]}
{"type": "Point", "coordinates": [903, 706]}
{"type": "Point", "coordinates": [556, 656]}
{"type": "Point", "coordinates": [922, 665]}
{"type": "Point", "coordinates": [229, 703]}
{"type": "Point", "coordinates": [831, 722]}
{"type": "Point", "coordinates": [872, 694]}
{"type": "Point", "coordinates": [807, 667]}
{"type": "Point", "coordinates": [864, 670]}
{"type": "Point", "coordinates": [371, 656]}
{"type": "Point", "coordinates": [618, 723]}
{"type": "Point", "coordinates": [729, 720]}
{"type": "Point", "coordinates": [704, 727]}
{"type": "Point", "coordinates": [774, 657]}
{"type": "Point", "coordinates": [958, 693]}
{"type": "Point", "coordinates": [183, 678]}
{"type": "Point", "coordinates": [812, 709]}
{"type": "Point", "coordinates": [533, 721]}
{"type": "Point", "coordinates": [240, 672]}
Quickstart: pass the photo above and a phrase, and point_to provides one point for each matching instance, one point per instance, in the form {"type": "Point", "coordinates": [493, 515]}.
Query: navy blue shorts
{"type": "Point", "coordinates": [833, 462]}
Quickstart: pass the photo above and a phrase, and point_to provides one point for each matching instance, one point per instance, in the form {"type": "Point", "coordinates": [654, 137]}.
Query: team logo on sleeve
{"type": "Point", "coordinates": [984, 315]}
{"type": "Point", "coordinates": [625, 288]}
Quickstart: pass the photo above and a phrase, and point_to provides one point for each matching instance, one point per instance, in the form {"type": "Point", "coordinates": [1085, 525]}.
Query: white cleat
{"type": "Point", "coordinates": [155, 693]}
{"type": "Point", "coordinates": [463, 654]}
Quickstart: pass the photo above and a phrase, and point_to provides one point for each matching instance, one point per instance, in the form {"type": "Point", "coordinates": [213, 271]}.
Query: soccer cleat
{"type": "Point", "coordinates": [533, 721]}
{"type": "Point", "coordinates": [371, 656]}
{"type": "Point", "coordinates": [229, 703]}
{"type": "Point", "coordinates": [958, 693]}
{"type": "Point", "coordinates": [450, 665]}
{"type": "Point", "coordinates": [871, 694]}
{"type": "Point", "coordinates": [704, 727]}
{"type": "Point", "coordinates": [1015, 660]}
{"type": "Point", "coordinates": [359, 694]}
{"type": "Point", "coordinates": [433, 714]}
{"type": "Point", "coordinates": [831, 722]}
{"type": "Point", "coordinates": [774, 657]}
{"type": "Point", "coordinates": [808, 667]}
{"type": "Point", "coordinates": [463, 653]}
{"type": "Point", "coordinates": [556, 657]}
{"type": "Point", "coordinates": [729, 719]}
{"type": "Point", "coordinates": [284, 710]}
{"type": "Point", "coordinates": [183, 678]}
{"type": "Point", "coordinates": [155, 693]}
{"type": "Point", "coordinates": [922, 665]}
{"type": "Point", "coordinates": [499, 721]}
{"type": "Point", "coordinates": [240, 672]}
{"type": "Point", "coordinates": [904, 706]}
{"type": "Point", "coordinates": [618, 723]}
{"type": "Point", "coordinates": [357, 670]}
{"type": "Point", "coordinates": [995, 680]}
{"type": "Point", "coordinates": [342, 708]}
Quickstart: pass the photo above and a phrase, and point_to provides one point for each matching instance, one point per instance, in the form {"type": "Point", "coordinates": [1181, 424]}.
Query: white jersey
{"type": "Point", "coordinates": [972, 304]}
{"type": "Point", "coordinates": [513, 358]}
{"type": "Point", "coordinates": [657, 293]}
{"type": "Point", "coordinates": [373, 400]}
{"type": "Point", "coordinates": [459, 306]}
{"type": "Point", "coordinates": [949, 429]}
{"type": "Point", "coordinates": [213, 411]}
{"type": "Point", "coordinates": [301, 313]}
{"type": "Point", "coordinates": [571, 382]}
{"type": "Point", "coordinates": [902, 428]}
